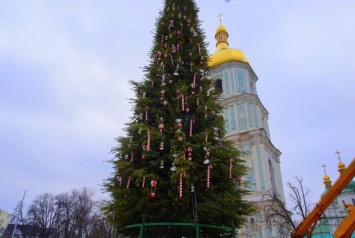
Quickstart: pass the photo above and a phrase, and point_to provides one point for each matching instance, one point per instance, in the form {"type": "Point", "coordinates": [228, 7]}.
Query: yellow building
{"type": "Point", "coordinates": [4, 221]}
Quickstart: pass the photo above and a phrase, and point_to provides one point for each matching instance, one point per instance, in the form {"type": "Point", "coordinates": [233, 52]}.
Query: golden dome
{"type": "Point", "coordinates": [225, 55]}
{"type": "Point", "coordinates": [326, 180]}
{"type": "Point", "coordinates": [341, 167]}
{"type": "Point", "coordinates": [221, 28]}
{"type": "Point", "coordinates": [223, 52]}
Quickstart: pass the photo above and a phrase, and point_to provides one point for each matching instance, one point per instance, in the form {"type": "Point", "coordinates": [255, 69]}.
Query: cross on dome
{"type": "Point", "coordinates": [338, 153]}
{"type": "Point", "coordinates": [220, 18]}
{"type": "Point", "coordinates": [324, 166]}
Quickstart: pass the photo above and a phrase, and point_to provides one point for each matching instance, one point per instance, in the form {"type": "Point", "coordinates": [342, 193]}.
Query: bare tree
{"type": "Point", "coordinates": [299, 198]}
{"type": "Point", "coordinates": [277, 214]}
{"type": "Point", "coordinates": [42, 213]}
{"type": "Point", "coordinates": [73, 214]}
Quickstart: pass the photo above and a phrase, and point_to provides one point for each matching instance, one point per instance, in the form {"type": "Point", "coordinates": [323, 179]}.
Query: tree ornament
{"type": "Point", "coordinates": [193, 85]}
{"type": "Point", "coordinates": [209, 167]}
{"type": "Point", "coordinates": [148, 141]}
{"type": "Point", "coordinates": [161, 127]}
{"type": "Point", "coordinates": [176, 70]}
{"type": "Point", "coordinates": [132, 157]}
{"type": "Point", "coordinates": [162, 164]}
{"type": "Point", "coordinates": [130, 138]}
{"type": "Point", "coordinates": [146, 113]}
{"type": "Point", "coordinates": [153, 188]}
{"type": "Point", "coordinates": [126, 156]}
{"type": "Point", "coordinates": [178, 123]}
{"type": "Point", "coordinates": [182, 102]}
{"type": "Point", "coordinates": [190, 132]}
{"type": "Point", "coordinates": [143, 183]}
{"type": "Point", "coordinates": [180, 138]}
{"type": "Point", "coordinates": [120, 183]}
{"type": "Point", "coordinates": [206, 112]}
{"type": "Point", "coordinates": [180, 185]}
{"type": "Point", "coordinates": [163, 80]}
{"type": "Point", "coordinates": [189, 153]}
{"type": "Point", "coordinates": [165, 102]}
{"type": "Point", "coordinates": [207, 155]}
{"type": "Point", "coordinates": [161, 145]}
{"type": "Point", "coordinates": [230, 168]}
{"type": "Point", "coordinates": [173, 168]}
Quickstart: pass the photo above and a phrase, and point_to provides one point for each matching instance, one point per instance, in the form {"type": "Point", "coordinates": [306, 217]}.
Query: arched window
{"type": "Point", "coordinates": [218, 86]}
{"type": "Point", "coordinates": [272, 178]}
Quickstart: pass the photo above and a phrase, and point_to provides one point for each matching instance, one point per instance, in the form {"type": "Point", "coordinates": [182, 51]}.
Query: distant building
{"type": "Point", "coordinates": [4, 221]}
{"type": "Point", "coordinates": [337, 211]}
{"type": "Point", "coordinates": [32, 231]}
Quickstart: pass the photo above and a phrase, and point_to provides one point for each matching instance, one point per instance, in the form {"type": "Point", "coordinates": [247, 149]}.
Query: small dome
{"type": "Point", "coordinates": [327, 182]}
{"type": "Point", "coordinates": [326, 178]}
{"type": "Point", "coordinates": [341, 167]}
{"type": "Point", "coordinates": [223, 52]}
{"type": "Point", "coordinates": [221, 28]}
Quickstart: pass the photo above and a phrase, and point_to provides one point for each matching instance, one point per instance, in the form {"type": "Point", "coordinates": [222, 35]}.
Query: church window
{"type": "Point", "coordinates": [240, 81]}
{"type": "Point", "coordinates": [252, 220]}
{"type": "Point", "coordinates": [255, 115]}
{"type": "Point", "coordinates": [260, 168]}
{"type": "Point", "coordinates": [233, 88]}
{"type": "Point", "coordinates": [218, 86]}
{"type": "Point", "coordinates": [241, 116]}
{"type": "Point", "coordinates": [272, 177]}
{"type": "Point", "coordinates": [232, 117]}
{"type": "Point", "coordinates": [227, 84]}
{"type": "Point", "coordinates": [226, 119]}
{"type": "Point", "coordinates": [249, 116]}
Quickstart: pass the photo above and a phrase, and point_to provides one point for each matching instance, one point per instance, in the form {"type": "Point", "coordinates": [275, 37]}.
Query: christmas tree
{"type": "Point", "coordinates": [174, 165]}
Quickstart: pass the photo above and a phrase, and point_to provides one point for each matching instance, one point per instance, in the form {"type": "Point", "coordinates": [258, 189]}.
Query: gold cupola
{"type": "Point", "coordinates": [341, 165]}
{"type": "Point", "coordinates": [223, 52]}
{"type": "Point", "coordinates": [326, 179]}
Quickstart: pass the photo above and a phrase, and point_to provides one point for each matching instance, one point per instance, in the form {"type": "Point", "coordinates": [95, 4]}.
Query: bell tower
{"type": "Point", "coordinates": [246, 121]}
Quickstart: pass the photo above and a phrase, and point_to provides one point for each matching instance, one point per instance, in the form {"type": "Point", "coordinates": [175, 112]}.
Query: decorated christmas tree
{"type": "Point", "coordinates": [174, 164]}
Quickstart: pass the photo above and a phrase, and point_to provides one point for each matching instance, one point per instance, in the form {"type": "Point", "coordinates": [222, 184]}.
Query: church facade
{"type": "Point", "coordinates": [247, 126]}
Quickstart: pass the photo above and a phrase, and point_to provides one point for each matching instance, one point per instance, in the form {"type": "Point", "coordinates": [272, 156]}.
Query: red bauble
{"type": "Point", "coordinates": [153, 183]}
{"type": "Point", "coordinates": [152, 195]}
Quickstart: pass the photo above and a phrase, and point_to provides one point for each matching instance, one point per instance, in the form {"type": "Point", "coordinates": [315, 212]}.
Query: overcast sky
{"type": "Point", "coordinates": [65, 67]}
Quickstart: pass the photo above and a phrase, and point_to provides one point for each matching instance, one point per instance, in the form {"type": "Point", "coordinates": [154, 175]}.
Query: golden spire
{"type": "Point", "coordinates": [326, 179]}
{"type": "Point", "coordinates": [341, 165]}
{"type": "Point", "coordinates": [223, 53]}
{"type": "Point", "coordinates": [221, 35]}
